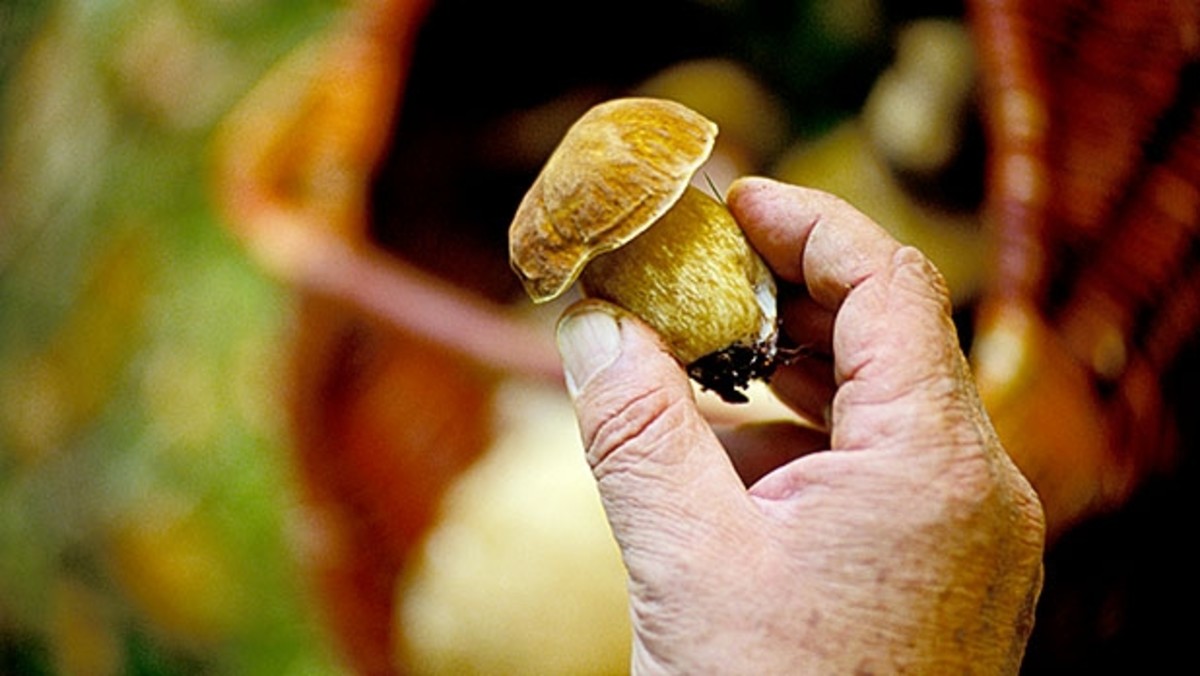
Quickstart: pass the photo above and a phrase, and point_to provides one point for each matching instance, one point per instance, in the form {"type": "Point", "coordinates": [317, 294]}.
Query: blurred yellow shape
{"type": "Point", "coordinates": [521, 575]}
{"type": "Point", "coordinates": [750, 115]}
{"type": "Point", "coordinates": [172, 564]}
{"type": "Point", "coordinates": [844, 163]}
{"type": "Point", "coordinates": [917, 109]}
{"type": "Point", "coordinates": [62, 387]}
{"type": "Point", "coordinates": [84, 634]}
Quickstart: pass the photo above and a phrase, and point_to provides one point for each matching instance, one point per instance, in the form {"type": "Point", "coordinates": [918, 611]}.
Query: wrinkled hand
{"type": "Point", "coordinates": [909, 543]}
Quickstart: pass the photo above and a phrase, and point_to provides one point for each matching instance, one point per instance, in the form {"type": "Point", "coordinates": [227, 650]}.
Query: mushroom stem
{"type": "Point", "coordinates": [695, 279]}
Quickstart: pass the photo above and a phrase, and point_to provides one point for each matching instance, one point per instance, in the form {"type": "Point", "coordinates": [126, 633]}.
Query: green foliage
{"type": "Point", "coordinates": [144, 490]}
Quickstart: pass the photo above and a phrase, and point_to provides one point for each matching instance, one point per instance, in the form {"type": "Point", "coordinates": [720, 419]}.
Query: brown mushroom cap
{"type": "Point", "coordinates": [618, 169]}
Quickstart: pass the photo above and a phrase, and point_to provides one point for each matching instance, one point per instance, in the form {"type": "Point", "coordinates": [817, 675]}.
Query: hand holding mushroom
{"type": "Point", "coordinates": [904, 539]}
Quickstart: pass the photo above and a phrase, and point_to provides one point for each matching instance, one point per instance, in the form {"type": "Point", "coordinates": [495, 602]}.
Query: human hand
{"type": "Point", "coordinates": [910, 542]}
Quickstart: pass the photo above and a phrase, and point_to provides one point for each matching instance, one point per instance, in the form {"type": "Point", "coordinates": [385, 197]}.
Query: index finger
{"type": "Point", "coordinates": [811, 237]}
{"type": "Point", "coordinates": [893, 338]}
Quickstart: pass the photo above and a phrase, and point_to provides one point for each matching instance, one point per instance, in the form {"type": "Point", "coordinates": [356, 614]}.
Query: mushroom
{"type": "Point", "coordinates": [614, 208]}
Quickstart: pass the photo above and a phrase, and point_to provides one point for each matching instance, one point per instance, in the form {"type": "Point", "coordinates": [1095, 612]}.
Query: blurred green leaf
{"type": "Point", "coordinates": [140, 353]}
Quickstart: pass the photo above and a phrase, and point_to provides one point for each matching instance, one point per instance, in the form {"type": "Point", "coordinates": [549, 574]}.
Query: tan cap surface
{"type": "Point", "coordinates": [618, 169]}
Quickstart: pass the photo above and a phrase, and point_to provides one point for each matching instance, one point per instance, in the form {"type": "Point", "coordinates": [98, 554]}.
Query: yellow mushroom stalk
{"type": "Point", "coordinates": [614, 208]}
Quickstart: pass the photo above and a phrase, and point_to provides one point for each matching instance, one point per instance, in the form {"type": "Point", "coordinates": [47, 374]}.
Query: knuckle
{"type": "Point", "coordinates": [917, 274]}
{"type": "Point", "coordinates": [992, 495]}
{"type": "Point", "coordinates": [632, 428]}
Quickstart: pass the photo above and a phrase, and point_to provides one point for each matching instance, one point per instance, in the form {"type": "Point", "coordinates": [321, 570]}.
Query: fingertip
{"type": "Point", "coordinates": [610, 358]}
{"type": "Point", "coordinates": [589, 340]}
{"type": "Point", "coordinates": [644, 438]}
{"type": "Point", "coordinates": [810, 236]}
{"type": "Point", "coordinates": [594, 334]}
{"type": "Point", "coordinates": [776, 218]}
{"type": "Point", "coordinates": [748, 185]}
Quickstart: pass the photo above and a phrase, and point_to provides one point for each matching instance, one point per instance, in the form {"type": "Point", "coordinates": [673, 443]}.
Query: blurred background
{"type": "Point", "coordinates": [143, 481]}
{"type": "Point", "coordinates": [271, 401]}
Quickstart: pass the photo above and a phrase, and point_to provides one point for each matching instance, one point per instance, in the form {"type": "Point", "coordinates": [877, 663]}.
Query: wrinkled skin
{"type": "Point", "coordinates": [903, 540]}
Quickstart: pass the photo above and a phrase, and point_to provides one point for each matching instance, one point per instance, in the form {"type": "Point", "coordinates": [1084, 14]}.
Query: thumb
{"type": "Point", "coordinates": [655, 458]}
